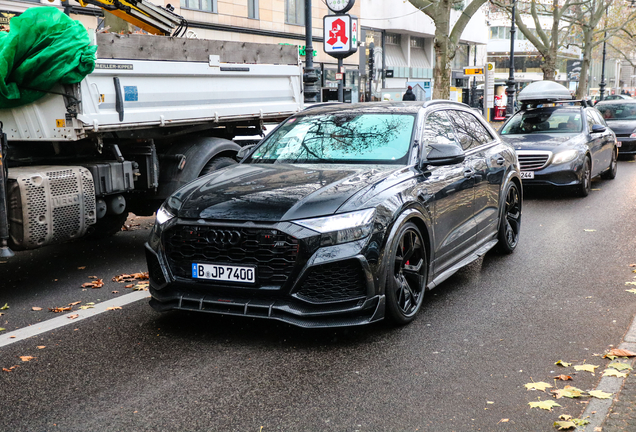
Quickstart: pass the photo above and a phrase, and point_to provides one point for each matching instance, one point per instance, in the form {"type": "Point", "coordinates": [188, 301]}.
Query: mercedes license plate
{"type": "Point", "coordinates": [225, 273]}
{"type": "Point", "coordinates": [527, 175]}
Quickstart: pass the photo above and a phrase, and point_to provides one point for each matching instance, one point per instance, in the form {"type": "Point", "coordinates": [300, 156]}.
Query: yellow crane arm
{"type": "Point", "coordinates": [147, 16]}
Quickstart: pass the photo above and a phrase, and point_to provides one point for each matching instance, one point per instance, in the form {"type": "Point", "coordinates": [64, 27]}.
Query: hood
{"type": "Point", "coordinates": [623, 127]}
{"type": "Point", "coordinates": [539, 141]}
{"type": "Point", "coordinates": [278, 192]}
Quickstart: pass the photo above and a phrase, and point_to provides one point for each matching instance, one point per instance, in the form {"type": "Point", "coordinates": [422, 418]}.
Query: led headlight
{"type": "Point", "coordinates": [341, 228]}
{"type": "Point", "coordinates": [163, 215]}
{"type": "Point", "coordinates": [564, 156]}
{"type": "Point", "coordinates": [168, 210]}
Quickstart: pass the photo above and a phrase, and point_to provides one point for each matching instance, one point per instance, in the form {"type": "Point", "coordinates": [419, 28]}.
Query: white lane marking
{"type": "Point", "coordinates": [9, 337]}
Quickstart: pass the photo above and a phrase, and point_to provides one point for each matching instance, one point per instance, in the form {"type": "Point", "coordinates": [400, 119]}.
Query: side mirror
{"type": "Point", "coordinates": [244, 151]}
{"type": "Point", "coordinates": [598, 128]}
{"type": "Point", "coordinates": [444, 154]}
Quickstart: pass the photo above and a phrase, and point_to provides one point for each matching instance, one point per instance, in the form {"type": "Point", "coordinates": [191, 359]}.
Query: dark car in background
{"type": "Point", "coordinates": [560, 143]}
{"type": "Point", "coordinates": [620, 116]}
{"type": "Point", "coordinates": [341, 216]}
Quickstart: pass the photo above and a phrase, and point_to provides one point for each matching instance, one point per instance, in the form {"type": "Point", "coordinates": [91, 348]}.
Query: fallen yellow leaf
{"type": "Point", "coordinates": [73, 316]}
{"type": "Point", "coordinates": [26, 358]}
{"type": "Point", "coordinates": [562, 363]}
{"type": "Point", "coordinates": [537, 386]}
{"type": "Point", "coordinates": [35, 308]}
{"type": "Point", "coordinates": [585, 367]}
{"type": "Point", "coordinates": [564, 425]}
{"type": "Point", "coordinates": [113, 308]}
{"type": "Point", "coordinates": [41, 346]}
{"type": "Point", "coordinates": [546, 404]}
{"type": "Point", "coordinates": [75, 303]}
{"type": "Point", "coordinates": [614, 373]}
{"type": "Point", "coordinates": [599, 394]}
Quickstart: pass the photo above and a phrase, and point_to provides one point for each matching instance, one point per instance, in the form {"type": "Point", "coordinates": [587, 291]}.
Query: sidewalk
{"type": "Point", "coordinates": [622, 415]}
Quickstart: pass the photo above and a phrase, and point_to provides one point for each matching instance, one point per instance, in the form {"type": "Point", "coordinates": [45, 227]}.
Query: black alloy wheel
{"type": "Point", "coordinates": [585, 186]}
{"type": "Point", "coordinates": [510, 224]}
{"type": "Point", "coordinates": [407, 273]}
{"type": "Point", "coordinates": [610, 173]}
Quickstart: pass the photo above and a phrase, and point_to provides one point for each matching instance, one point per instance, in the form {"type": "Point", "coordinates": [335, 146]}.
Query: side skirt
{"type": "Point", "coordinates": [469, 259]}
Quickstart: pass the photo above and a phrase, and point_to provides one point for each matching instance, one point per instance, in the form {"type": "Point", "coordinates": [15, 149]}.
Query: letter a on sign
{"type": "Point", "coordinates": [338, 35]}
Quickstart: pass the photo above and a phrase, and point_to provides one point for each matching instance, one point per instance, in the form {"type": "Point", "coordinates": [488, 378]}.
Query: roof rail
{"type": "Point", "coordinates": [443, 101]}
{"type": "Point", "coordinates": [534, 103]}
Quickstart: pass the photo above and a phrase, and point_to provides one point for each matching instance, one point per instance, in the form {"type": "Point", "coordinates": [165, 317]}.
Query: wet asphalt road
{"type": "Point", "coordinates": [461, 366]}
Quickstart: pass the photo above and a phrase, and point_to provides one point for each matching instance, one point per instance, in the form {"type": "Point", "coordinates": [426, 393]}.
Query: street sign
{"type": "Point", "coordinates": [388, 73]}
{"type": "Point", "coordinates": [339, 76]}
{"type": "Point", "coordinates": [473, 71]}
{"type": "Point", "coordinates": [490, 85]}
{"type": "Point", "coordinates": [340, 35]}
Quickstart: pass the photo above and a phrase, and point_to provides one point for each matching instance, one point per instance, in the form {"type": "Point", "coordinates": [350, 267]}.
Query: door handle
{"type": "Point", "coordinates": [500, 161]}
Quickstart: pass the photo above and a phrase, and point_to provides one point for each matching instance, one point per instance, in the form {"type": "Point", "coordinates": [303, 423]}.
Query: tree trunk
{"type": "Point", "coordinates": [581, 91]}
{"type": "Point", "coordinates": [444, 54]}
{"type": "Point", "coordinates": [549, 67]}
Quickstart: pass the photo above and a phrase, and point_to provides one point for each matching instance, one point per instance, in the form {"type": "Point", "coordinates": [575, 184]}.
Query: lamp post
{"type": "Point", "coordinates": [601, 85]}
{"type": "Point", "coordinates": [310, 77]}
{"type": "Point", "coordinates": [510, 91]}
{"type": "Point", "coordinates": [473, 89]}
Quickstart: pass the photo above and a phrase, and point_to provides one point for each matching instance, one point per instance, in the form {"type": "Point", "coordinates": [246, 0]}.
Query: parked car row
{"type": "Point", "coordinates": [347, 214]}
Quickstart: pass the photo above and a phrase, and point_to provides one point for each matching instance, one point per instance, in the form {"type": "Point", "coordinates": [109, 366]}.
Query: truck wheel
{"type": "Point", "coordinates": [215, 164]}
{"type": "Point", "coordinates": [108, 226]}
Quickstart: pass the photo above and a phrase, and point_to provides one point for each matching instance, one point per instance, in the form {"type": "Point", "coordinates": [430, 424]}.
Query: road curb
{"type": "Point", "coordinates": [598, 409]}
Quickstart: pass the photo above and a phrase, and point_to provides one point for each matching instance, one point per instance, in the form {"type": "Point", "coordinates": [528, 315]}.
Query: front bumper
{"type": "Point", "coordinates": [314, 294]}
{"type": "Point", "coordinates": [561, 175]}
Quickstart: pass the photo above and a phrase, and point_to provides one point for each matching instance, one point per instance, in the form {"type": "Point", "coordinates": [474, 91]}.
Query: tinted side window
{"type": "Point", "coordinates": [438, 130]}
{"type": "Point", "coordinates": [470, 132]}
{"type": "Point", "coordinates": [598, 118]}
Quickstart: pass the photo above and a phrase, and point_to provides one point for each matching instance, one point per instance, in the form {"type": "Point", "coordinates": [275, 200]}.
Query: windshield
{"type": "Point", "coordinates": [618, 111]}
{"type": "Point", "coordinates": [339, 138]}
{"type": "Point", "coordinates": [544, 121]}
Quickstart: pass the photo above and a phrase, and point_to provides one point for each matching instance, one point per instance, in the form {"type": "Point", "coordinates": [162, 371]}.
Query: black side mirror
{"type": "Point", "coordinates": [444, 154]}
{"type": "Point", "coordinates": [598, 128]}
{"type": "Point", "coordinates": [244, 151]}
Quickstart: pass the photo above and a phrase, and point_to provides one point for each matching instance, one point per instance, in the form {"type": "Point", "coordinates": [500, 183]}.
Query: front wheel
{"type": "Point", "coordinates": [406, 275]}
{"type": "Point", "coordinates": [583, 189]}
{"type": "Point", "coordinates": [610, 173]}
{"type": "Point", "coordinates": [510, 223]}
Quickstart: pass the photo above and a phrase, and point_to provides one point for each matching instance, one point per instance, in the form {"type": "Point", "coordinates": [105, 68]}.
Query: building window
{"type": "Point", "coordinates": [393, 39]}
{"type": "Point", "coordinates": [295, 12]}
{"type": "Point", "coordinates": [252, 9]}
{"type": "Point", "coordinates": [202, 5]}
{"type": "Point", "coordinates": [417, 42]}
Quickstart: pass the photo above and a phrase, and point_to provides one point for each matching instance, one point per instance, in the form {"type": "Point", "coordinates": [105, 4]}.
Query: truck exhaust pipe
{"type": "Point", "coordinates": [5, 250]}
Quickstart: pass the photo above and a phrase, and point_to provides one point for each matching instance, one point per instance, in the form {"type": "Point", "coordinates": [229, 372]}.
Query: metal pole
{"type": "Point", "coordinates": [5, 251]}
{"type": "Point", "coordinates": [371, 69]}
{"type": "Point", "coordinates": [510, 91]}
{"type": "Point", "coordinates": [310, 76]}
{"type": "Point", "coordinates": [602, 84]}
{"type": "Point", "coordinates": [473, 90]}
{"type": "Point", "coordinates": [340, 82]}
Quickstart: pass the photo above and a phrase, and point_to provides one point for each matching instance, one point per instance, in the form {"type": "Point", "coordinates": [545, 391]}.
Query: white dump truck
{"type": "Point", "coordinates": [156, 113]}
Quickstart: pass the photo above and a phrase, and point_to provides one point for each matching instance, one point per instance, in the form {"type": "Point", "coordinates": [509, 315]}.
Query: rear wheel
{"type": "Point", "coordinates": [215, 164]}
{"type": "Point", "coordinates": [406, 275]}
{"type": "Point", "coordinates": [610, 173]}
{"type": "Point", "coordinates": [510, 224]}
{"type": "Point", "coordinates": [108, 226]}
{"type": "Point", "coordinates": [583, 189]}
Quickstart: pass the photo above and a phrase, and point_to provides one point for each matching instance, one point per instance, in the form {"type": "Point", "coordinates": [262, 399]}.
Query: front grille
{"type": "Point", "coordinates": [333, 282]}
{"type": "Point", "coordinates": [273, 252]}
{"type": "Point", "coordinates": [532, 161]}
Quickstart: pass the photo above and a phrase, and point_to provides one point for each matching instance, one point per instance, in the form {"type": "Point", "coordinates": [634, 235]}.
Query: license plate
{"type": "Point", "coordinates": [619, 143]}
{"type": "Point", "coordinates": [225, 273]}
{"type": "Point", "coordinates": [527, 175]}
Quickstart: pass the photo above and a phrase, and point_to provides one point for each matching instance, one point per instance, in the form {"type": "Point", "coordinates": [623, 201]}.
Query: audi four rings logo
{"type": "Point", "coordinates": [224, 237]}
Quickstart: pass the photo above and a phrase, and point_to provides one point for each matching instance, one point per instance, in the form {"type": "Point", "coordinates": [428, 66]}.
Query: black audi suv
{"type": "Point", "coordinates": [342, 216]}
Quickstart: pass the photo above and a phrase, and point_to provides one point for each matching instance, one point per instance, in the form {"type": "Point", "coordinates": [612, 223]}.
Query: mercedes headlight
{"type": "Point", "coordinates": [565, 156]}
{"type": "Point", "coordinates": [341, 228]}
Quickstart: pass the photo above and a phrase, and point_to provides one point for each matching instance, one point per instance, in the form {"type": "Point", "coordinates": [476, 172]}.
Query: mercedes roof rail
{"type": "Point", "coordinates": [444, 101]}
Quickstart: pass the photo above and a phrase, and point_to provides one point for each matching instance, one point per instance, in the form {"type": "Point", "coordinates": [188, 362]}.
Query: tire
{"type": "Point", "coordinates": [406, 282]}
{"type": "Point", "coordinates": [107, 226]}
{"type": "Point", "coordinates": [583, 189]}
{"type": "Point", "coordinates": [610, 173]}
{"type": "Point", "coordinates": [510, 223]}
{"type": "Point", "coordinates": [215, 164]}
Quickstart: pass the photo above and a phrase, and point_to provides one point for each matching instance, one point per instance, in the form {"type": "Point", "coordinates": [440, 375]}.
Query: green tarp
{"type": "Point", "coordinates": [43, 48]}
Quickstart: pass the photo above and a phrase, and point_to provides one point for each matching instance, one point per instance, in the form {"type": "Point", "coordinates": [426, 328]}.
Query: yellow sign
{"type": "Point", "coordinates": [491, 66]}
{"type": "Point", "coordinates": [60, 123]}
{"type": "Point", "coordinates": [473, 71]}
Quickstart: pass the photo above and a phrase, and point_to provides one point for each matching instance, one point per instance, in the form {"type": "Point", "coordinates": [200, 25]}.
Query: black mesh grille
{"type": "Point", "coordinates": [334, 282]}
{"type": "Point", "coordinates": [273, 252]}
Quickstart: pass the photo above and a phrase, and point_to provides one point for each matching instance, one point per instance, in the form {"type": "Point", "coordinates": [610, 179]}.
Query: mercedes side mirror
{"type": "Point", "coordinates": [244, 151]}
{"type": "Point", "coordinates": [597, 128]}
{"type": "Point", "coordinates": [444, 154]}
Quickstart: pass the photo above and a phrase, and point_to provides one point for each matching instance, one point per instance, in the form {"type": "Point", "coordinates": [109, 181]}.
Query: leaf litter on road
{"type": "Point", "coordinates": [599, 394]}
{"type": "Point", "coordinates": [585, 367]}
{"type": "Point", "coordinates": [61, 309]}
{"type": "Point", "coordinates": [36, 308]}
{"type": "Point", "coordinates": [562, 363]}
{"type": "Point", "coordinates": [568, 392]}
{"type": "Point", "coordinates": [618, 352]}
{"type": "Point", "coordinates": [26, 358]}
{"type": "Point", "coordinates": [546, 404]}
{"type": "Point", "coordinates": [614, 373]}
{"type": "Point", "coordinates": [541, 386]}
{"type": "Point", "coordinates": [98, 283]}
{"type": "Point", "coordinates": [563, 377]}
{"type": "Point", "coordinates": [619, 366]}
